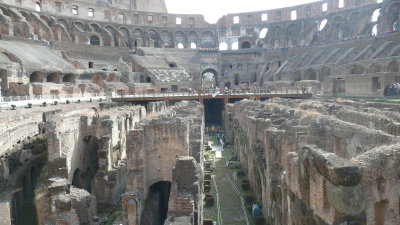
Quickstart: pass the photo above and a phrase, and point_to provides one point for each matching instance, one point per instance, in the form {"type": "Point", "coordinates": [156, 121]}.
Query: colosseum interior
{"type": "Point", "coordinates": [119, 113]}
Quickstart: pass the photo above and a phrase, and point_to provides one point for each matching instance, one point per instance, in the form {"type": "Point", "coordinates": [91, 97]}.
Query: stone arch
{"type": "Point", "coordinates": [392, 16]}
{"type": "Point", "coordinates": [53, 78]}
{"type": "Point", "coordinates": [110, 29]}
{"type": "Point", "coordinates": [138, 37]}
{"type": "Point", "coordinates": [79, 25]}
{"type": "Point", "coordinates": [122, 37]}
{"type": "Point", "coordinates": [375, 68]}
{"type": "Point", "coordinates": [209, 78]}
{"type": "Point", "coordinates": [167, 39]}
{"type": "Point", "coordinates": [180, 37]}
{"type": "Point", "coordinates": [207, 39]}
{"type": "Point", "coordinates": [193, 37]}
{"type": "Point", "coordinates": [69, 78]}
{"type": "Point", "coordinates": [292, 35]}
{"type": "Point", "coordinates": [125, 31]}
{"type": "Point", "coordinates": [223, 46]}
{"type": "Point", "coordinates": [154, 37]}
{"type": "Point", "coordinates": [156, 203]}
{"type": "Point", "coordinates": [276, 39]}
{"type": "Point", "coordinates": [356, 69]}
{"type": "Point", "coordinates": [96, 27]}
{"type": "Point", "coordinates": [322, 24]}
{"type": "Point", "coordinates": [375, 15]}
{"type": "Point", "coordinates": [63, 22]}
{"type": "Point", "coordinates": [36, 77]}
{"type": "Point", "coordinates": [393, 66]}
{"type": "Point", "coordinates": [94, 40]}
{"type": "Point", "coordinates": [263, 33]}
{"type": "Point", "coordinates": [325, 72]}
{"type": "Point", "coordinates": [108, 38]}
{"type": "Point", "coordinates": [310, 74]}
{"type": "Point", "coordinates": [337, 25]}
{"type": "Point", "coordinates": [235, 45]}
{"type": "Point", "coordinates": [245, 44]}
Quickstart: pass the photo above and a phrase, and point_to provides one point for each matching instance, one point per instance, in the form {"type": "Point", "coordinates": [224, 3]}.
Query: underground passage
{"type": "Point", "coordinates": [156, 204]}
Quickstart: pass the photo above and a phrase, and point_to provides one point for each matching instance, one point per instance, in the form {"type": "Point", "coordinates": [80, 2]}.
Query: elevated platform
{"type": "Point", "coordinates": [228, 97]}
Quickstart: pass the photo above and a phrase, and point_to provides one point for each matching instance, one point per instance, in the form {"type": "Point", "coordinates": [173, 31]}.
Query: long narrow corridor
{"type": "Point", "coordinates": [232, 212]}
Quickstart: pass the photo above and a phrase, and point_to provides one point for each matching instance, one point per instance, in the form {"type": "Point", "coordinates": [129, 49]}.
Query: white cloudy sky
{"type": "Point", "coordinates": [214, 9]}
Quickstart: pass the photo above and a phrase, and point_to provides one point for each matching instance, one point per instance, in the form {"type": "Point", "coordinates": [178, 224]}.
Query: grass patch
{"type": "Point", "coordinates": [231, 209]}
{"type": "Point", "coordinates": [387, 99]}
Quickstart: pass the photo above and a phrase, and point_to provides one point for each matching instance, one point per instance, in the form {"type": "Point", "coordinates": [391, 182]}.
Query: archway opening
{"type": "Point", "coordinates": [323, 24]}
{"type": "Point", "coordinates": [375, 15]}
{"type": "Point", "coordinates": [374, 31]}
{"type": "Point", "coordinates": [69, 78]}
{"type": "Point", "coordinates": [223, 46]}
{"type": "Point", "coordinates": [246, 44]}
{"type": "Point", "coordinates": [310, 75]}
{"type": "Point", "coordinates": [263, 33]}
{"type": "Point", "coordinates": [236, 78]}
{"type": "Point", "coordinates": [235, 45]}
{"type": "Point", "coordinates": [156, 205]}
{"type": "Point", "coordinates": [90, 163]}
{"type": "Point", "coordinates": [356, 69]}
{"type": "Point", "coordinates": [209, 79]}
{"type": "Point", "coordinates": [76, 180]}
{"type": "Point", "coordinates": [53, 78]}
{"type": "Point", "coordinates": [94, 40]}
{"type": "Point", "coordinates": [36, 77]}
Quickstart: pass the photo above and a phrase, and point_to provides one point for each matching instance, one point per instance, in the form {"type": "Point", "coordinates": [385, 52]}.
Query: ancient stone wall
{"type": "Point", "coordinates": [153, 150]}
{"type": "Point", "coordinates": [304, 158]}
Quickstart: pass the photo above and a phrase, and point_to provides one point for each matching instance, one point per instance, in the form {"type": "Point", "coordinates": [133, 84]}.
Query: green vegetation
{"type": "Point", "coordinates": [231, 209]}
{"type": "Point", "coordinates": [387, 99]}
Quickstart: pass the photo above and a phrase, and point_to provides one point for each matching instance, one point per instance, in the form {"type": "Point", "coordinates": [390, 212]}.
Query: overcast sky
{"type": "Point", "coordinates": [214, 9]}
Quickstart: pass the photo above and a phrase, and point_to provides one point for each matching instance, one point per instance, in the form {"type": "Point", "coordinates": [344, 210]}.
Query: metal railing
{"type": "Point", "coordinates": [214, 93]}
{"type": "Point", "coordinates": [47, 97]}
{"type": "Point", "coordinates": [29, 101]}
{"type": "Point", "coordinates": [240, 195]}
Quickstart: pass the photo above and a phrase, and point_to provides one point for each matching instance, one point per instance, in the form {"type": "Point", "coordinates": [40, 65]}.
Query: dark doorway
{"type": "Point", "coordinates": [245, 44]}
{"type": "Point", "coordinates": [94, 40]}
{"type": "Point", "coordinates": [213, 110]}
{"type": "Point", "coordinates": [339, 87]}
{"type": "Point", "coordinates": [156, 205]}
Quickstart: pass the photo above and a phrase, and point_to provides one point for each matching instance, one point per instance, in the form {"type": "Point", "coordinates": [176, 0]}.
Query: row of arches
{"type": "Point", "coordinates": [391, 67]}
{"type": "Point", "coordinates": [153, 38]}
{"type": "Point", "coordinates": [57, 78]}
{"type": "Point", "coordinates": [336, 25]}
{"type": "Point", "coordinates": [223, 46]}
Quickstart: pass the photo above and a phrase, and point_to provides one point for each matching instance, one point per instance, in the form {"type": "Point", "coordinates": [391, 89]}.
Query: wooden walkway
{"type": "Point", "coordinates": [178, 96]}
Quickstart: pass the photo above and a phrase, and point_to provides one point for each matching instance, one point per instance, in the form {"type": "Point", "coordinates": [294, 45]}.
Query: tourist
{"type": "Point", "coordinates": [218, 140]}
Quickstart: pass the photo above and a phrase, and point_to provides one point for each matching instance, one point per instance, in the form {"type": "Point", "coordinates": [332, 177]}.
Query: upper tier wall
{"type": "Point", "coordinates": [153, 13]}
